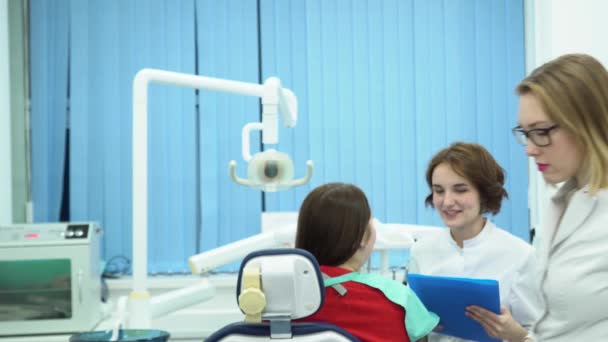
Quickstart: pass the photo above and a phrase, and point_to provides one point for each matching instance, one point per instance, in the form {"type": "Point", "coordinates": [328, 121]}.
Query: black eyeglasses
{"type": "Point", "coordinates": [539, 136]}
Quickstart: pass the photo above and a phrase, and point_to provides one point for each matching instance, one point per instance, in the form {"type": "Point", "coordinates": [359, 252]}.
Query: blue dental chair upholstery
{"type": "Point", "coordinates": [274, 287]}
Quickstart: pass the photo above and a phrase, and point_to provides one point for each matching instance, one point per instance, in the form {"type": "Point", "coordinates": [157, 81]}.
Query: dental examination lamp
{"type": "Point", "coordinates": [269, 170]}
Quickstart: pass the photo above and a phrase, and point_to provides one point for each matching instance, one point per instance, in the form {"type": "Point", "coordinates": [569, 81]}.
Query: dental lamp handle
{"type": "Point", "coordinates": [306, 178]}
{"type": "Point", "coordinates": [234, 177]}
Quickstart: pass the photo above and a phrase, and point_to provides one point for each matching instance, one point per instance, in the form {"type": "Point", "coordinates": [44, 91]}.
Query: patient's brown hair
{"type": "Point", "coordinates": [332, 222]}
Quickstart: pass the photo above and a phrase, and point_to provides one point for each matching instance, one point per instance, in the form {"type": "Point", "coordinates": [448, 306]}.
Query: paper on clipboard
{"type": "Point", "coordinates": [448, 297]}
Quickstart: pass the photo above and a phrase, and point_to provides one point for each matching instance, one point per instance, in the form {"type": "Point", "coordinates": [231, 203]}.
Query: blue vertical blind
{"type": "Point", "coordinates": [110, 42]}
{"type": "Point", "coordinates": [228, 48]}
{"type": "Point", "coordinates": [49, 104]}
{"type": "Point", "coordinates": [382, 86]}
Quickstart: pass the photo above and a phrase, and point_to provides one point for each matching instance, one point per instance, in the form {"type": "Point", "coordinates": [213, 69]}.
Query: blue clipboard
{"type": "Point", "coordinates": [448, 297]}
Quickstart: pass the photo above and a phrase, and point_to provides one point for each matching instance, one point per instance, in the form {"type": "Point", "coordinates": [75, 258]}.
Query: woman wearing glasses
{"type": "Point", "coordinates": [563, 122]}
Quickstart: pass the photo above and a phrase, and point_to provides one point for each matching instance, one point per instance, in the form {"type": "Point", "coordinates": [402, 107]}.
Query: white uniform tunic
{"type": "Point", "coordinates": [573, 257]}
{"type": "Point", "coordinates": [492, 254]}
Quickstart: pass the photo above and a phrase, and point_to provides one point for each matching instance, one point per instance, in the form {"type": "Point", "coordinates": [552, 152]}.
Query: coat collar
{"type": "Point", "coordinates": [574, 206]}
{"type": "Point", "coordinates": [474, 241]}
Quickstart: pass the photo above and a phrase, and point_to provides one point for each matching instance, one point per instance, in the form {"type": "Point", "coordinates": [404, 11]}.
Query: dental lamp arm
{"type": "Point", "coordinates": [274, 99]}
{"type": "Point", "coordinates": [140, 147]}
{"type": "Point", "coordinates": [207, 261]}
{"type": "Point", "coordinates": [178, 299]}
{"type": "Point", "coordinates": [277, 99]}
{"type": "Point", "coordinates": [288, 107]}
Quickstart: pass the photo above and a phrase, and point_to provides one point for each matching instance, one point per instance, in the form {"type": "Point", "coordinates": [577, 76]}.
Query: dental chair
{"type": "Point", "coordinates": [275, 287]}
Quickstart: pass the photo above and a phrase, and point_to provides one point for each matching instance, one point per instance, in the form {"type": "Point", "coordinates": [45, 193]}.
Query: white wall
{"type": "Point", "coordinates": [553, 28]}
{"type": "Point", "coordinates": [6, 208]}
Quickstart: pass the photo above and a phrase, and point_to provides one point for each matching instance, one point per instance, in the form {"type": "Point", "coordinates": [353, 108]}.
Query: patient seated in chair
{"type": "Point", "coordinates": [335, 225]}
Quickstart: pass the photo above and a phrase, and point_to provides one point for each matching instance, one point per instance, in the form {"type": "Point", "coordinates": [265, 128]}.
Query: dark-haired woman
{"type": "Point", "coordinates": [466, 183]}
{"type": "Point", "coordinates": [335, 225]}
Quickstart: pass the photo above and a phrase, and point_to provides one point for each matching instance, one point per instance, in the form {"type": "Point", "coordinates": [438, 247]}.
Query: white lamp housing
{"type": "Point", "coordinates": [270, 171]}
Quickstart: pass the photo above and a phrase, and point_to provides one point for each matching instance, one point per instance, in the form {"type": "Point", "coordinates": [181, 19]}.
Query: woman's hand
{"type": "Point", "coordinates": [502, 326]}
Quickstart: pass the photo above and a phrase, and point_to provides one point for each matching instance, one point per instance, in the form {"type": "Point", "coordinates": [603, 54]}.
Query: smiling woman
{"type": "Point", "coordinates": [466, 183]}
{"type": "Point", "coordinates": [465, 179]}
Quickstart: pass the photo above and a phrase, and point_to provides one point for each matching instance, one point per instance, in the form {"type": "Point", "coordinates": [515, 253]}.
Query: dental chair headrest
{"type": "Point", "coordinates": [274, 287]}
{"type": "Point", "coordinates": [290, 279]}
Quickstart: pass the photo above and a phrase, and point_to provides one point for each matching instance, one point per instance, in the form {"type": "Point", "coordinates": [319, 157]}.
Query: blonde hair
{"type": "Point", "coordinates": [573, 90]}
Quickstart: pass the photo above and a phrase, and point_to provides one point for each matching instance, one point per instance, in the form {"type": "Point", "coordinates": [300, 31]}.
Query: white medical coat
{"type": "Point", "coordinates": [573, 257]}
{"type": "Point", "coordinates": [492, 254]}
